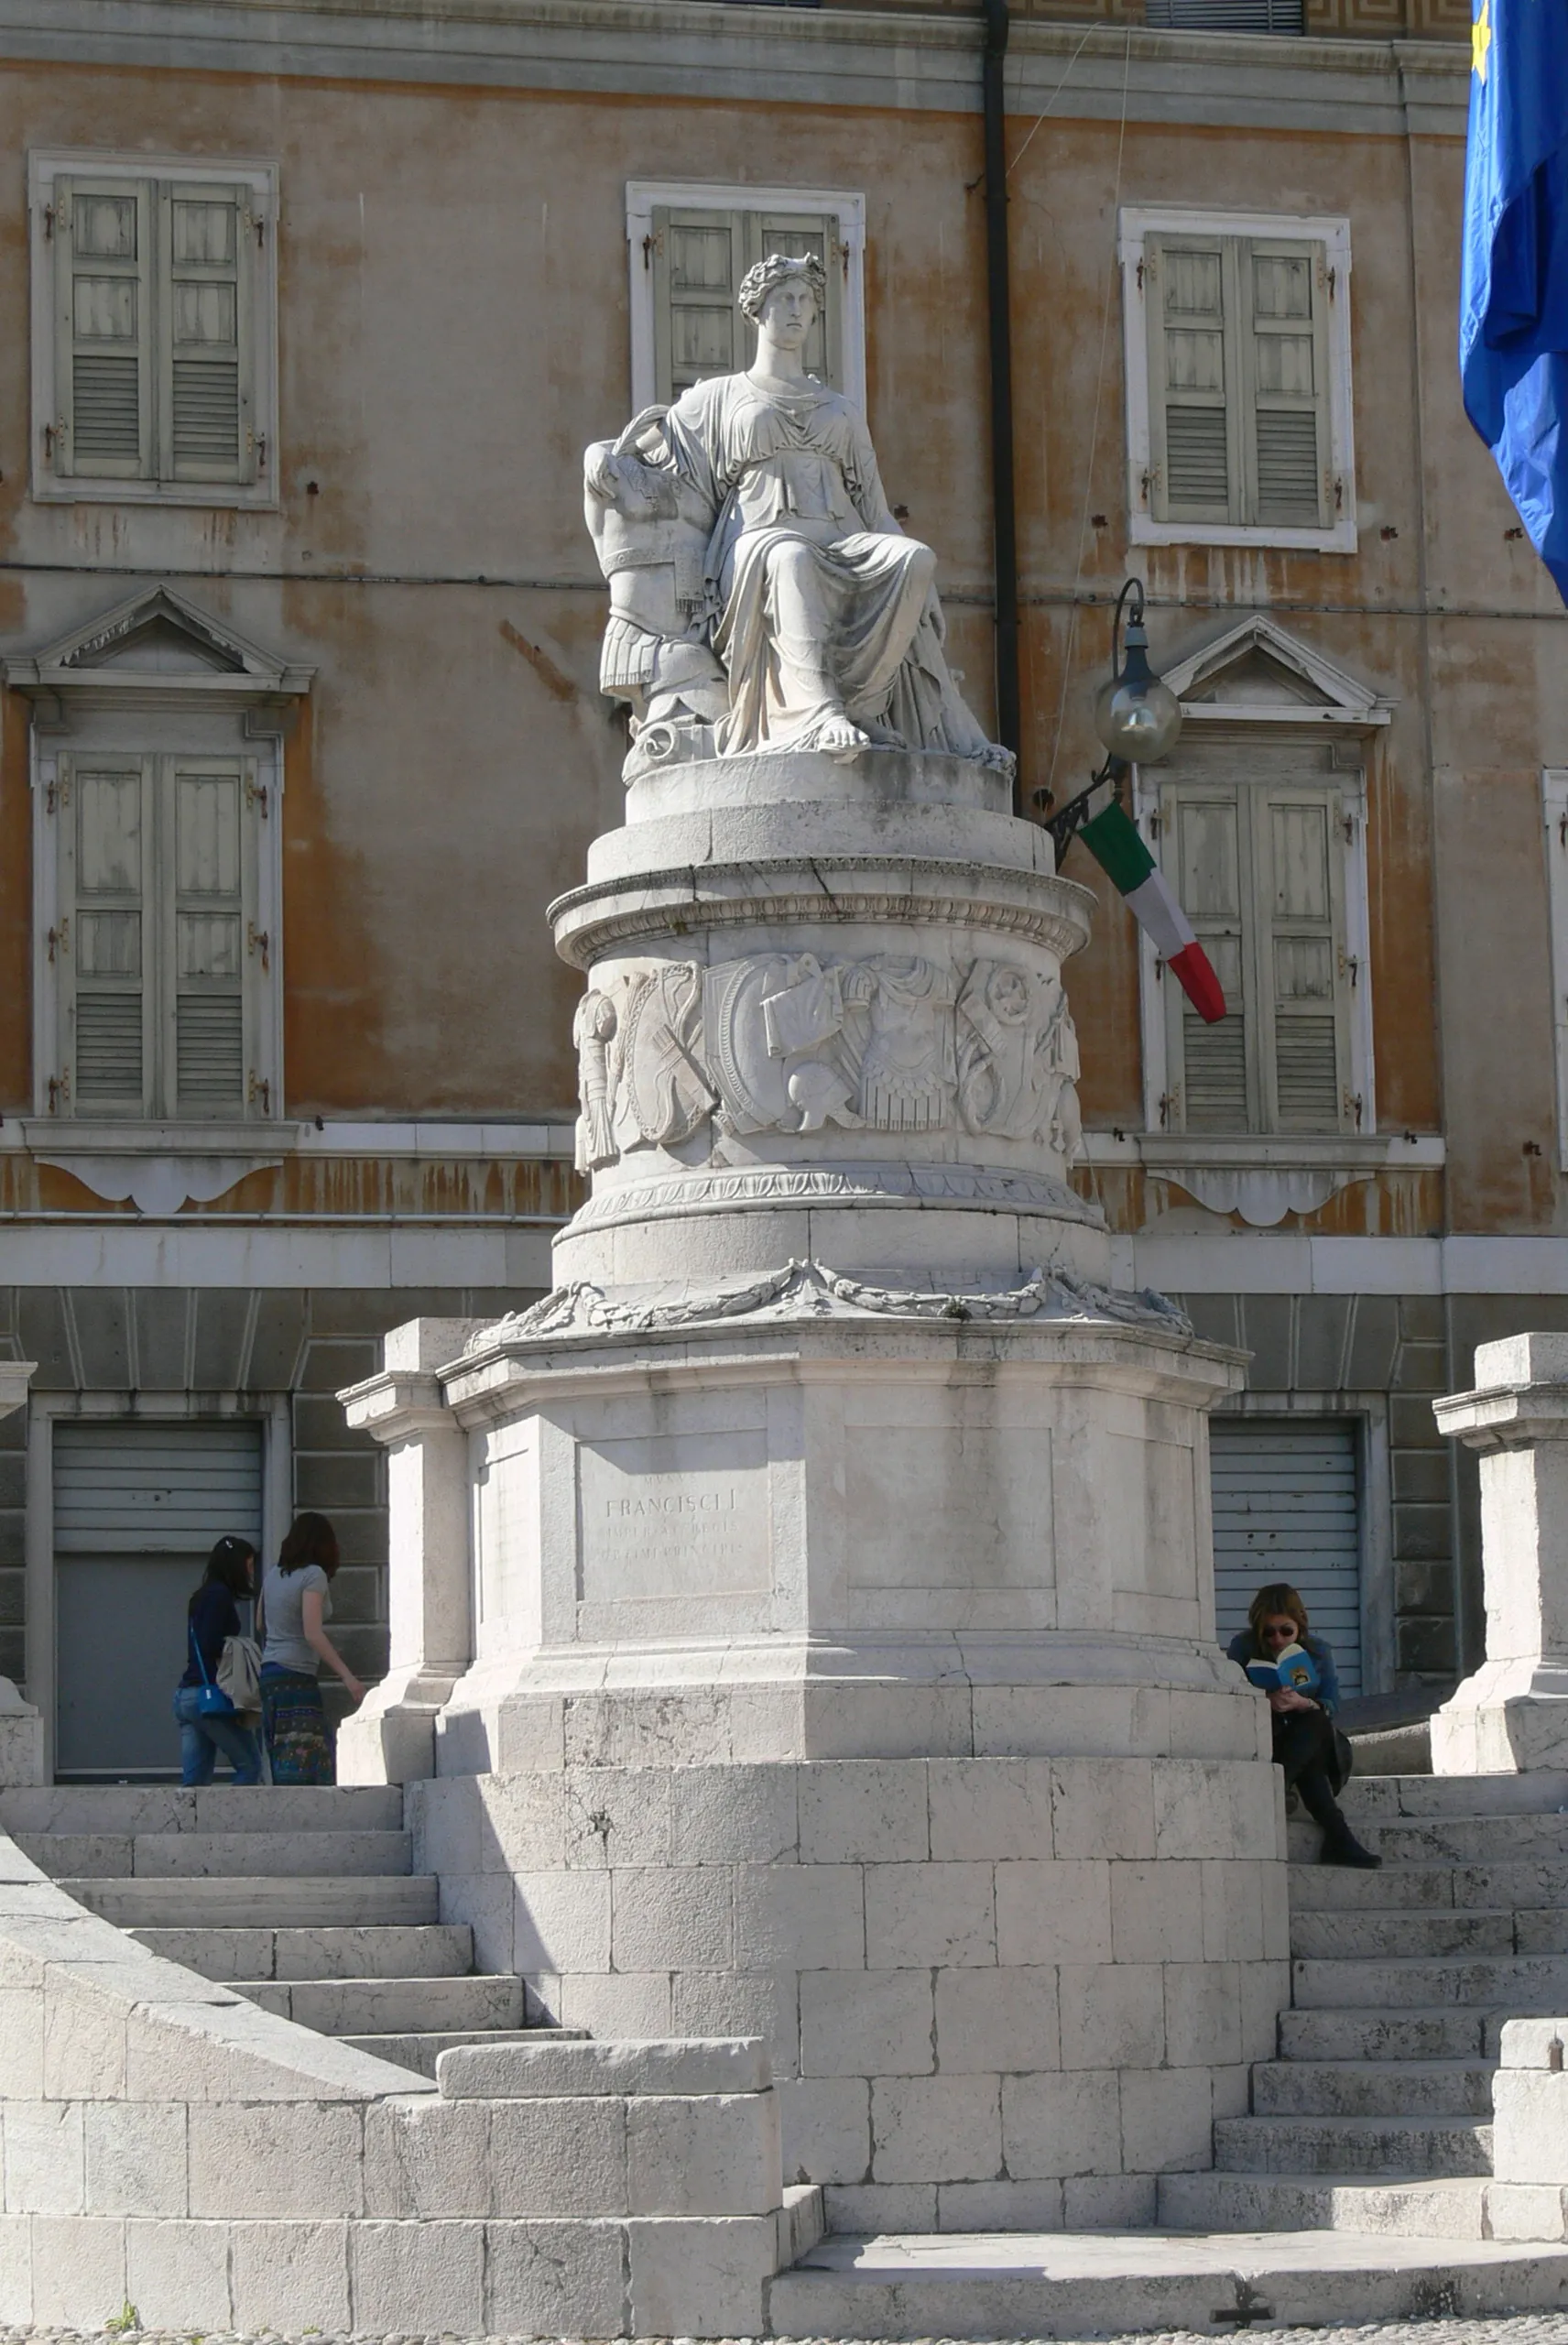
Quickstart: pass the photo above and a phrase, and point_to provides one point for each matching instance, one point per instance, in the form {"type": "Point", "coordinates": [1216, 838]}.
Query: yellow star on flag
{"type": "Point", "coordinates": [1481, 39]}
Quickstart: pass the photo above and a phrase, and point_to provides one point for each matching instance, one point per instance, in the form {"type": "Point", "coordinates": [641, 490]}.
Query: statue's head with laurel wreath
{"type": "Point", "coordinates": [781, 269]}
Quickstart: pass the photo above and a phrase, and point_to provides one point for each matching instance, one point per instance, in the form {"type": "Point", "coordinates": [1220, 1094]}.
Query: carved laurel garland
{"type": "Point", "coordinates": [808, 1288]}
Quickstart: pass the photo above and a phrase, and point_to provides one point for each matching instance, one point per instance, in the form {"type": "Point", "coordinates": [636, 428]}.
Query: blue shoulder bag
{"type": "Point", "coordinates": [212, 1702]}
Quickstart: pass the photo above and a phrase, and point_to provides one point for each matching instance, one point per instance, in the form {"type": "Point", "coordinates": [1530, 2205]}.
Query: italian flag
{"type": "Point", "coordinates": [1112, 839]}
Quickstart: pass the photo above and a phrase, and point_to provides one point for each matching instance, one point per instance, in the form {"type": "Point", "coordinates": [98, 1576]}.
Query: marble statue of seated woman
{"type": "Point", "coordinates": [821, 613]}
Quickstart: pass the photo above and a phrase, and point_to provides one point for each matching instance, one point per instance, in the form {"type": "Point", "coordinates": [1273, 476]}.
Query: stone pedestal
{"type": "Point", "coordinates": [21, 1726]}
{"type": "Point", "coordinates": [841, 1664]}
{"type": "Point", "coordinates": [1513, 1713]}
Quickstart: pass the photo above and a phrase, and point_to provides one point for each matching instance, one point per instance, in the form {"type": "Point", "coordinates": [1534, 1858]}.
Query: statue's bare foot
{"type": "Point", "coordinates": [840, 738]}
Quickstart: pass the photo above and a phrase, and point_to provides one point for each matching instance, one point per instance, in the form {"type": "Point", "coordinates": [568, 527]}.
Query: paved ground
{"type": "Point", "coordinates": [1520, 2328]}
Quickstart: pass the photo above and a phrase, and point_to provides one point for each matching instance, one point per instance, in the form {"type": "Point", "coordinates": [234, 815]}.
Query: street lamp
{"type": "Point", "coordinates": [1137, 715]}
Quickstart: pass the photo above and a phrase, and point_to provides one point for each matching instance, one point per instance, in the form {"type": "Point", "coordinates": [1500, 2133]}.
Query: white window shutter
{"type": "Point", "coordinates": [103, 942]}
{"type": "Point", "coordinates": [205, 1024]}
{"type": "Point", "coordinates": [1283, 288]}
{"type": "Point", "coordinates": [796, 233]}
{"type": "Point", "coordinates": [1205, 855]}
{"type": "Point", "coordinates": [1189, 289]}
{"type": "Point", "coordinates": [205, 356]}
{"type": "Point", "coordinates": [698, 263]}
{"type": "Point", "coordinates": [104, 329]}
{"type": "Point", "coordinates": [1302, 961]}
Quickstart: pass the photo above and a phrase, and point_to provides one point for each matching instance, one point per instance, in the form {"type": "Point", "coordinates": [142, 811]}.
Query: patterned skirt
{"type": "Point", "coordinates": [294, 1720]}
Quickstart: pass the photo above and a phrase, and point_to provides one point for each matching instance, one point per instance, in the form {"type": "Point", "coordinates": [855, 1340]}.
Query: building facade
{"type": "Point", "coordinates": [308, 316]}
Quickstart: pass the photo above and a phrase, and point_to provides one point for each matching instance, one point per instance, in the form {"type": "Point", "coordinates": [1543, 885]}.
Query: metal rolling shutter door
{"type": "Point", "coordinates": [136, 1508]}
{"type": "Point", "coordinates": [1287, 1506]}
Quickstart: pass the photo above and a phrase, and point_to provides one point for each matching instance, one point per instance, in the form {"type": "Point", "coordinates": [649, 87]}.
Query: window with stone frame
{"type": "Point", "coordinates": [154, 369]}
{"type": "Point", "coordinates": [691, 247]}
{"type": "Point", "coordinates": [1238, 380]}
{"type": "Point", "coordinates": [158, 951]}
{"type": "Point", "coordinates": [1260, 866]}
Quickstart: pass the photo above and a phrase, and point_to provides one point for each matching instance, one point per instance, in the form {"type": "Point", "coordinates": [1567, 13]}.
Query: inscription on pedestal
{"type": "Point", "coordinates": [672, 1514]}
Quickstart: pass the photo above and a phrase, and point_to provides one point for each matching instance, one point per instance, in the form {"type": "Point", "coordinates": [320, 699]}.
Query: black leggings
{"type": "Point", "coordinates": [1305, 1747]}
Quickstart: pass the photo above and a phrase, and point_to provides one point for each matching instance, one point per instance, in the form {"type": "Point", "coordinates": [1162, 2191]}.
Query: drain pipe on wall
{"type": "Point", "coordinates": [998, 296]}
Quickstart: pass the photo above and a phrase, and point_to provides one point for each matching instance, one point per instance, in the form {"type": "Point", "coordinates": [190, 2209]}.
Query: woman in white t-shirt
{"type": "Point", "coordinates": [296, 1600]}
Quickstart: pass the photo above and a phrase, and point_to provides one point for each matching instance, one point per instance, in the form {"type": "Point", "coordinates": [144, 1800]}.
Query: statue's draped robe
{"type": "Point", "coordinates": [821, 603]}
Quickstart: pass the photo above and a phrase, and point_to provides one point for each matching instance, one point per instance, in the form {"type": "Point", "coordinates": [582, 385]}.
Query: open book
{"type": "Point", "coordinates": [1293, 1667]}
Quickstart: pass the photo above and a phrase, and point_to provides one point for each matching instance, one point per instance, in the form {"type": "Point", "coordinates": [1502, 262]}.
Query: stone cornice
{"type": "Point", "coordinates": [909, 59]}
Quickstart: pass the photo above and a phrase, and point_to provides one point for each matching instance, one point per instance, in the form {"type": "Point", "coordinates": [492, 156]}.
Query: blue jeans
{"type": "Point", "coordinates": [201, 1738]}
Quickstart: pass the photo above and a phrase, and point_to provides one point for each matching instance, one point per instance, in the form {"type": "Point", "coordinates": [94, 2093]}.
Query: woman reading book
{"type": "Point", "coordinates": [1305, 1744]}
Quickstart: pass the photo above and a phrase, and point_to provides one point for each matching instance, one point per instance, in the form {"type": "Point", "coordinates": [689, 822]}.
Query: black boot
{"type": "Point", "coordinates": [1340, 1847]}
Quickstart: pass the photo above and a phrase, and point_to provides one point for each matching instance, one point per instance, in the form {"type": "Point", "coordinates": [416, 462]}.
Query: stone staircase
{"type": "Point", "coordinates": [1374, 2118]}
{"type": "Point", "coordinates": [304, 1900]}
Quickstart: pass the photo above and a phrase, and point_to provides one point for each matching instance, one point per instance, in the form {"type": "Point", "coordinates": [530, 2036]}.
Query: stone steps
{"type": "Point", "coordinates": [1516, 1983]}
{"type": "Point", "coordinates": [1512, 1838]}
{"type": "Point", "coordinates": [303, 1900]}
{"type": "Point", "coordinates": [419, 2051]}
{"type": "Point", "coordinates": [185, 1856]}
{"type": "Point", "coordinates": [1400, 1934]}
{"type": "Point", "coordinates": [1372, 2089]}
{"type": "Point", "coordinates": [360, 2007]}
{"type": "Point", "coordinates": [1383, 1798]}
{"type": "Point", "coordinates": [238, 1901]}
{"type": "Point", "coordinates": [1405, 2145]}
{"type": "Point", "coordinates": [1359, 2035]}
{"type": "Point", "coordinates": [1442, 2207]}
{"type": "Point", "coordinates": [991, 2284]}
{"type": "Point", "coordinates": [1316, 1888]}
{"type": "Point", "coordinates": [357, 1951]}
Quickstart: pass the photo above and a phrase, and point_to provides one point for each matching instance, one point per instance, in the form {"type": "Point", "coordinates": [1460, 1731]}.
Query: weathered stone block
{"type": "Point", "coordinates": [409, 2277]}
{"type": "Point", "coordinates": [44, 2158]}
{"type": "Point", "coordinates": [701, 2277]}
{"type": "Point", "coordinates": [990, 1807]}
{"type": "Point", "coordinates": [553, 2279]}
{"type": "Point", "coordinates": [713, 2155]}
{"type": "Point", "coordinates": [1167, 2118]}
{"type": "Point", "coordinates": [289, 2276]}
{"type": "Point", "coordinates": [558, 2156]}
{"type": "Point", "coordinates": [753, 2003]}
{"type": "Point", "coordinates": [562, 1921]}
{"type": "Point", "coordinates": [733, 1815]}
{"type": "Point", "coordinates": [866, 2023]}
{"type": "Point", "coordinates": [1060, 2125]}
{"type": "Point", "coordinates": [1157, 1912]}
{"type": "Point", "coordinates": [427, 2158]}
{"type": "Point", "coordinates": [935, 2129]}
{"type": "Point", "coordinates": [1113, 2015]}
{"type": "Point", "coordinates": [1051, 1913]}
{"type": "Point", "coordinates": [17, 2271]}
{"type": "Point", "coordinates": [860, 1811]}
{"type": "Point", "coordinates": [1000, 2207]}
{"type": "Point", "coordinates": [672, 1917]}
{"type": "Point", "coordinates": [287, 2158]}
{"type": "Point", "coordinates": [618, 2004]}
{"type": "Point", "coordinates": [134, 2154]}
{"type": "Point", "coordinates": [990, 2022]}
{"type": "Point", "coordinates": [79, 2270]}
{"type": "Point", "coordinates": [928, 1915]}
{"type": "Point", "coordinates": [1204, 2013]}
{"type": "Point", "coordinates": [177, 2272]}
{"type": "Point", "coordinates": [825, 2129]}
{"type": "Point", "coordinates": [1103, 1807]}
{"type": "Point", "coordinates": [799, 1916]}
{"type": "Point", "coordinates": [577, 2070]}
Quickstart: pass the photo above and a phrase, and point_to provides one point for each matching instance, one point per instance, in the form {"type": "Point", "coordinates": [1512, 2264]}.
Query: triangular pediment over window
{"type": "Point", "coordinates": [157, 644]}
{"type": "Point", "coordinates": [1259, 671]}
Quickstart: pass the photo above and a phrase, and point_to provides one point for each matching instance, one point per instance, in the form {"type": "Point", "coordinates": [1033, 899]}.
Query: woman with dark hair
{"type": "Point", "coordinates": [211, 1617]}
{"type": "Point", "coordinates": [295, 1602]}
{"type": "Point", "coordinates": [1306, 1746]}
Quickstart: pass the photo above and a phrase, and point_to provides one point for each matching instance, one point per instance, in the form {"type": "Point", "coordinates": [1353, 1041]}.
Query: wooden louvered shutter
{"type": "Point", "coordinates": [104, 941]}
{"type": "Point", "coordinates": [698, 263]}
{"type": "Point", "coordinates": [1195, 440]}
{"type": "Point", "coordinates": [1206, 856]}
{"type": "Point", "coordinates": [796, 233]}
{"type": "Point", "coordinates": [1284, 353]}
{"type": "Point", "coordinates": [204, 338]}
{"type": "Point", "coordinates": [104, 329]}
{"type": "Point", "coordinates": [205, 1021]}
{"type": "Point", "coordinates": [1301, 958]}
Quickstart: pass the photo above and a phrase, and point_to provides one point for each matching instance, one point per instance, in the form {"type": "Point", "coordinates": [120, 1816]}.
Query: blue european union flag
{"type": "Point", "coordinates": [1513, 313]}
